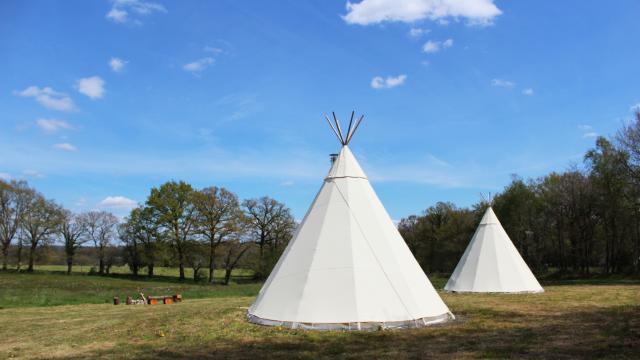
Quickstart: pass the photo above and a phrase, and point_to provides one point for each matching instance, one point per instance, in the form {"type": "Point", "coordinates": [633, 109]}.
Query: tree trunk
{"type": "Point", "coordinates": [69, 265]}
{"type": "Point", "coordinates": [32, 257]}
{"type": "Point", "coordinates": [5, 256]}
{"type": "Point", "coordinates": [227, 275]}
{"type": "Point", "coordinates": [150, 270]}
{"type": "Point", "coordinates": [262, 265]}
{"type": "Point", "coordinates": [212, 265]}
{"type": "Point", "coordinates": [181, 266]}
{"type": "Point", "coordinates": [19, 255]}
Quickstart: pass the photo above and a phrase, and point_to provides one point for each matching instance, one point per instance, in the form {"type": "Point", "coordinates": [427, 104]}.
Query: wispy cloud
{"type": "Point", "coordinates": [502, 83]}
{"type": "Point", "coordinates": [92, 87]}
{"type": "Point", "coordinates": [33, 174]}
{"type": "Point", "coordinates": [527, 92]}
{"type": "Point", "coordinates": [52, 125]}
{"type": "Point", "coordinates": [635, 108]}
{"type": "Point", "coordinates": [198, 65]}
{"type": "Point", "coordinates": [48, 98]}
{"type": "Point", "coordinates": [437, 161]}
{"type": "Point", "coordinates": [418, 32]}
{"type": "Point", "coordinates": [117, 64]}
{"type": "Point", "coordinates": [5, 176]}
{"type": "Point", "coordinates": [239, 106]}
{"type": "Point", "coordinates": [130, 11]}
{"type": "Point", "coordinates": [368, 12]}
{"type": "Point", "coordinates": [587, 131]}
{"type": "Point", "coordinates": [65, 147]}
{"type": "Point", "coordinates": [379, 82]}
{"type": "Point", "coordinates": [117, 202]}
{"type": "Point", "coordinates": [287, 183]}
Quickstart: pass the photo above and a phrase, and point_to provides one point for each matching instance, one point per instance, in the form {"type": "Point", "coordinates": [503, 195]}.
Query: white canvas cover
{"type": "Point", "coordinates": [347, 267]}
{"type": "Point", "coordinates": [491, 263]}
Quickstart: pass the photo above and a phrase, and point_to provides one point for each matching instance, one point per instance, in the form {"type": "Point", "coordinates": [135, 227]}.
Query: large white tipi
{"type": "Point", "coordinates": [347, 267]}
{"type": "Point", "coordinates": [491, 263]}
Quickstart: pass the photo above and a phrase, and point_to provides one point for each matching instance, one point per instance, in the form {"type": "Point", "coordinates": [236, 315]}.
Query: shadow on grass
{"type": "Point", "coordinates": [600, 333]}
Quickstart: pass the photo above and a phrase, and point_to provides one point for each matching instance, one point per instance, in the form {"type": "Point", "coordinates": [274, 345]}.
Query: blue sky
{"type": "Point", "coordinates": [101, 100]}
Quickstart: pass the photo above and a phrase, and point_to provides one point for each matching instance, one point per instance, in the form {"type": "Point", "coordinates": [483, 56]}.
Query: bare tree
{"type": "Point", "coordinates": [218, 212]}
{"type": "Point", "coordinates": [40, 221]}
{"type": "Point", "coordinates": [12, 206]}
{"type": "Point", "coordinates": [629, 139]}
{"type": "Point", "coordinates": [73, 233]}
{"type": "Point", "coordinates": [270, 224]}
{"type": "Point", "coordinates": [101, 229]}
{"type": "Point", "coordinates": [128, 234]}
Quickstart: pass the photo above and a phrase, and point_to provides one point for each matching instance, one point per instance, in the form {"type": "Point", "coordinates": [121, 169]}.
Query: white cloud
{"type": "Point", "coordinates": [418, 32]}
{"type": "Point", "coordinates": [379, 82]}
{"type": "Point", "coordinates": [33, 174]}
{"type": "Point", "coordinates": [214, 50]}
{"type": "Point", "coordinates": [367, 12]}
{"type": "Point", "coordinates": [287, 183]}
{"type": "Point", "coordinates": [120, 202]}
{"type": "Point", "coordinates": [48, 98]}
{"type": "Point", "coordinates": [437, 161]}
{"type": "Point", "coordinates": [502, 83]}
{"type": "Point", "coordinates": [431, 47]}
{"type": "Point", "coordinates": [52, 125]}
{"type": "Point", "coordinates": [198, 65]}
{"type": "Point", "coordinates": [635, 108]}
{"type": "Point", "coordinates": [587, 131]}
{"type": "Point", "coordinates": [117, 64]}
{"type": "Point", "coordinates": [5, 176]}
{"type": "Point", "coordinates": [116, 15]}
{"type": "Point", "coordinates": [527, 91]}
{"type": "Point", "coordinates": [123, 11]}
{"type": "Point", "coordinates": [65, 147]}
{"type": "Point", "coordinates": [93, 87]}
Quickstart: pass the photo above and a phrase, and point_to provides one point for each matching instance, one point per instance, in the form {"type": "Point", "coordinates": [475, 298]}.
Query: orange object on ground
{"type": "Point", "coordinates": [153, 301]}
{"type": "Point", "coordinates": [168, 300]}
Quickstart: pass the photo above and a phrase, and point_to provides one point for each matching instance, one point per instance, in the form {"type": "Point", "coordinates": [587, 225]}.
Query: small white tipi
{"type": "Point", "coordinates": [491, 263]}
{"type": "Point", "coordinates": [347, 267]}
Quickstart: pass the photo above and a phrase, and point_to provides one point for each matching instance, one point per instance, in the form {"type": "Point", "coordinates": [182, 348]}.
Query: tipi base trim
{"type": "Point", "coordinates": [355, 326]}
{"type": "Point", "coordinates": [494, 292]}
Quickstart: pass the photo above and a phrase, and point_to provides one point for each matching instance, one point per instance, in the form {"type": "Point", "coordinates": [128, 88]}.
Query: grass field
{"type": "Point", "coordinates": [580, 319]}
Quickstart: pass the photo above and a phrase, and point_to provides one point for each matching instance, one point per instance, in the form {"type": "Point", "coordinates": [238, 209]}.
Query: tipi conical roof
{"type": "Point", "coordinates": [347, 267]}
{"type": "Point", "coordinates": [491, 263]}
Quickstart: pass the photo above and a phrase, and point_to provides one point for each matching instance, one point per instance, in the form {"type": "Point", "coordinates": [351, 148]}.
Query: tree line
{"type": "Point", "coordinates": [580, 221]}
{"type": "Point", "coordinates": [177, 225]}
